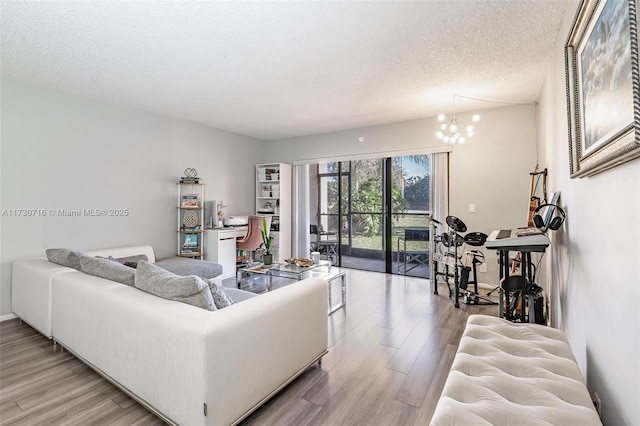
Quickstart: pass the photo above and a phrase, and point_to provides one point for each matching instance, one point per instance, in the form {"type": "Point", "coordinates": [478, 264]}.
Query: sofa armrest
{"type": "Point", "coordinates": [255, 347]}
{"type": "Point", "coordinates": [31, 281]}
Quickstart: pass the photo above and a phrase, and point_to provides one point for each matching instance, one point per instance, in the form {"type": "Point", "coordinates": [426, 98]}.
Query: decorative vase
{"type": "Point", "coordinates": [191, 218]}
{"type": "Point", "coordinates": [267, 259]}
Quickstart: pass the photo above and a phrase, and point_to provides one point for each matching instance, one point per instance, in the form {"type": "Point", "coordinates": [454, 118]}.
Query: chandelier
{"type": "Point", "coordinates": [455, 131]}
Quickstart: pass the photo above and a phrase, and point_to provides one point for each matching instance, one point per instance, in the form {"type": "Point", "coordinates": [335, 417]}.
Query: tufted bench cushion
{"type": "Point", "coordinates": [513, 374]}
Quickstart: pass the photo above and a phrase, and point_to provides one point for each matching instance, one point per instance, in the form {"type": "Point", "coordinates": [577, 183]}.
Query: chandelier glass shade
{"type": "Point", "coordinates": [455, 131]}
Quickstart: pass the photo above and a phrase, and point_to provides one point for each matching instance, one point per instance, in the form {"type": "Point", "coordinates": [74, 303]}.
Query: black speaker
{"type": "Point", "coordinates": [555, 223]}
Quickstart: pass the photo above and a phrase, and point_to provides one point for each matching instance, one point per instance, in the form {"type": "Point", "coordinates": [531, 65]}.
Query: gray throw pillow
{"type": "Point", "coordinates": [190, 289]}
{"type": "Point", "coordinates": [65, 257]}
{"type": "Point", "coordinates": [220, 297]}
{"type": "Point", "coordinates": [108, 269]}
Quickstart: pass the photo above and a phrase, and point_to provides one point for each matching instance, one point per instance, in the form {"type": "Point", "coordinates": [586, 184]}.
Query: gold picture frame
{"type": "Point", "coordinates": [603, 86]}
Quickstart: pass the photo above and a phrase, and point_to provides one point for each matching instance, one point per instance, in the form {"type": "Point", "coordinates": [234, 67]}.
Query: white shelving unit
{"type": "Point", "coordinates": [273, 198]}
{"type": "Point", "coordinates": [191, 220]}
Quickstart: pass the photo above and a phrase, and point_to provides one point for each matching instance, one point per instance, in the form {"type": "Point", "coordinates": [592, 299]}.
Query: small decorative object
{"type": "Point", "coordinates": [302, 262]}
{"type": "Point", "coordinates": [266, 208]}
{"type": "Point", "coordinates": [267, 257]}
{"type": "Point", "coordinates": [191, 201]}
{"type": "Point", "coordinates": [190, 176]}
{"type": "Point", "coordinates": [271, 174]}
{"type": "Point", "coordinates": [191, 218]}
{"type": "Point", "coordinates": [603, 89]}
{"type": "Point", "coordinates": [220, 209]}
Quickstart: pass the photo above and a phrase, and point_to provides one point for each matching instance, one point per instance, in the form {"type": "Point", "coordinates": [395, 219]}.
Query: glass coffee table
{"type": "Point", "coordinates": [324, 270]}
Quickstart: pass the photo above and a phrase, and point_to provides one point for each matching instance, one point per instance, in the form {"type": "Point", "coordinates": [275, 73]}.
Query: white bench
{"type": "Point", "coordinates": [506, 374]}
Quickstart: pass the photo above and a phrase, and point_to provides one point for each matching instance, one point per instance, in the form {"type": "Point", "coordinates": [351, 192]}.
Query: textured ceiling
{"type": "Point", "coordinates": [273, 70]}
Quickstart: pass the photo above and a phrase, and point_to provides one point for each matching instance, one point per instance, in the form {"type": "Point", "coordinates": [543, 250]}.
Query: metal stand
{"type": "Point", "coordinates": [473, 297]}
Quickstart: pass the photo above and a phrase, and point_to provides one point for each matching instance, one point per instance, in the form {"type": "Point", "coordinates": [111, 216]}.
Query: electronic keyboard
{"type": "Point", "coordinates": [513, 242]}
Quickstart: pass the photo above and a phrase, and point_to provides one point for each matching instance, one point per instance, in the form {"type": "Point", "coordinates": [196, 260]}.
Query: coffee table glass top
{"type": "Point", "coordinates": [285, 268]}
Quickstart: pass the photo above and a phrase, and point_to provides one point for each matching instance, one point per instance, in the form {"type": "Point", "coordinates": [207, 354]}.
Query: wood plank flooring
{"type": "Point", "coordinates": [389, 355]}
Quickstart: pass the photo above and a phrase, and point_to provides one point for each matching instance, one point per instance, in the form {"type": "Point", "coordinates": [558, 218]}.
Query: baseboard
{"type": "Point", "coordinates": [8, 317]}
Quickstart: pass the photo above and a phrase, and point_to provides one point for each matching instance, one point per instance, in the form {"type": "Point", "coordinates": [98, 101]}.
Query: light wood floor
{"type": "Point", "coordinates": [390, 351]}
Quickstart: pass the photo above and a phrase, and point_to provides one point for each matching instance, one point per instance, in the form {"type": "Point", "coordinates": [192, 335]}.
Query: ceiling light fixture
{"type": "Point", "coordinates": [455, 131]}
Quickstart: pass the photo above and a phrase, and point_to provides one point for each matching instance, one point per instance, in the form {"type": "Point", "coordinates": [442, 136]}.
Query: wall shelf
{"type": "Point", "coordinates": [273, 198]}
{"type": "Point", "coordinates": [190, 219]}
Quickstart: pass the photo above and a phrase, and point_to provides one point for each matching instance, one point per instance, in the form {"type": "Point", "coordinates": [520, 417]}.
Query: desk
{"type": "Point", "coordinates": [526, 246]}
{"type": "Point", "coordinates": [221, 247]}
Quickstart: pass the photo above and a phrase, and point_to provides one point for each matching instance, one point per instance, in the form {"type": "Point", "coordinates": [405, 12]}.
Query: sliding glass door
{"type": "Point", "coordinates": [373, 214]}
{"type": "Point", "coordinates": [362, 212]}
{"type": "Point", "coordinates": [410, 214]}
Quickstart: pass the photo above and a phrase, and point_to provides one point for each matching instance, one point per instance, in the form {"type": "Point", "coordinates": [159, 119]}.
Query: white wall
{"type": "Point", "coordinates": [491, 170]}
{"type": "Point", "coordinates": [593, 270]}
{"type": "Point", "coordinates": [65, 152]}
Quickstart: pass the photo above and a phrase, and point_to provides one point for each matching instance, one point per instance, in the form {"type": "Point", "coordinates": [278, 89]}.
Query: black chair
{"type": "Point", "coordinates": [327, 247]}
{"type": "Point", "coordinates": [420, 257]}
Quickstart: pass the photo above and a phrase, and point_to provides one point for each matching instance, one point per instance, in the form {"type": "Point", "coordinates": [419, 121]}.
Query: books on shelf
{"type": "Point", "coordinates": [271, 174]}
{"type": "Point", "coordinates": [185, 179]}
{"type": "Point", "coordinates": [190, 201]}
{"type": "Point", "coordinates": [190, 242]}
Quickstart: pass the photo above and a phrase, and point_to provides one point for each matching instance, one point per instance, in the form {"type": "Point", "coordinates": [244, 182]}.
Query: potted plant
{"type": "Point", "coordinates": [267, 257]}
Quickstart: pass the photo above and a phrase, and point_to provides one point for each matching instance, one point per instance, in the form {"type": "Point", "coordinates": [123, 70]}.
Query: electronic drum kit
{"type": "Point", "coordinates": [452, 240]}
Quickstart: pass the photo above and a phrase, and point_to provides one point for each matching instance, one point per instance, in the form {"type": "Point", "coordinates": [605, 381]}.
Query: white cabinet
{"type": "Point", "coordinates": [190, 219]}
{"type": "Point", "coordinates": [221, 248]}
{"type": "Point", "coordinates": [273, 198]}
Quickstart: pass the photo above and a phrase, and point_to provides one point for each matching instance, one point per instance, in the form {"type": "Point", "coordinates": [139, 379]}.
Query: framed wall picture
{"type": "Point", "coordinates": [603, 86]}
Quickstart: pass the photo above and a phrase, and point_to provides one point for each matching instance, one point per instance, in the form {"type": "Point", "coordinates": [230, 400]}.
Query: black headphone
{"type": "Point", "coordinates": [554, 224]}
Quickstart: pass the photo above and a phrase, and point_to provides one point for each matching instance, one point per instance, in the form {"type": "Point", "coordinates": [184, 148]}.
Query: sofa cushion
{"type": "Point", "coordinates": [108, 269]}
{"type": "Point", "coordinates": [64, 257]}
{"type": "Point", "coordinates": [219, 294]}
{"type": "Point", "coordinates": [185, 266]}
{"type": "Point", "coordinates": [160, 282]}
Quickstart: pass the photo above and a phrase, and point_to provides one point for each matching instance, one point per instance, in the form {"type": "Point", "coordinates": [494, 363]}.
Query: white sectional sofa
{"type": "Point", "coordinates": [188, 365]}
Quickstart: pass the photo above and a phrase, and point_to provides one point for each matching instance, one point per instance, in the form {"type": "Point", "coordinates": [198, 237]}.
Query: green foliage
{"type": "Point", "coordinates": [368, 199]}
{"type": "Point", "coordinates": [366, 206]}
{"type": "Point", "coordinates": [266, 239]}
{"type": "Point", "coordinates": [416, 192]}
